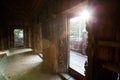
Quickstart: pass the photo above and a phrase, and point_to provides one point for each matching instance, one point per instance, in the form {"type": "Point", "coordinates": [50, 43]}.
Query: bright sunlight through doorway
{"type": "Point", "coordinates": [78, 43]}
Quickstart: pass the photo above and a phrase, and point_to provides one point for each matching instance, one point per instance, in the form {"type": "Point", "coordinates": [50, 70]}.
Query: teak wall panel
{"type": "Point", "coordinates": [49, 43]}
{"type": "Point", "coordinates": [28, 37]}
{"type": "Point", "coordinates": [62, 43]}
{"type": "Point", "coordinates": [35, 37]}
{"type": "Point", "coordinates": [3, 36]}
{"type": "Point", "coordinates": [105, 30]}
{"type": "Point", "coordinates": [55, 42]}
{"type": "Point", "coordinates": [11, 36]}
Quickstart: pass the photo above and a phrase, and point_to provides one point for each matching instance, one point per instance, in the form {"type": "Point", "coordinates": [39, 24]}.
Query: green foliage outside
{"type": "Point", "coordinates": [17, 32]}
{"type": "Point", "coordinates": [76, 28]}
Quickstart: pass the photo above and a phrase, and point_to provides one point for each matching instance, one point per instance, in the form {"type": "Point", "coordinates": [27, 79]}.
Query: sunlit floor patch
{"type": "Point", "coordinates": [3, 52]}
{"type": "Point", "coordinates": [15, 66]}
{"type": "Point", "coordinates": [18, 51]}
{"type": "Point", "coordinates": [77, 62]}
{"type": "Point", "coordinates": [25, 67]}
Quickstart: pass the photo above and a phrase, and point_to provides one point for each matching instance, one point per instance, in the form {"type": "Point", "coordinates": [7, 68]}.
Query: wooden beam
{"type": "Point", "coordinates": [109, 43]}
{"type": "Point", "coordinates": [77, 8]}
{"type": "Point", "coordinates": [112, 67]}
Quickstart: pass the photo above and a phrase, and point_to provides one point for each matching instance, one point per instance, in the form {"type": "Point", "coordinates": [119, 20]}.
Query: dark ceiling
{"type": "Point", "coordinates": [15, 11]}
{"type": "Point", "coordinates": [20, 9]}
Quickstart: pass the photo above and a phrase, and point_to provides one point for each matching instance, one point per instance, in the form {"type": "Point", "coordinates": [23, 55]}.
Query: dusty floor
{"type": "Point", "coordinates": [25, 66]}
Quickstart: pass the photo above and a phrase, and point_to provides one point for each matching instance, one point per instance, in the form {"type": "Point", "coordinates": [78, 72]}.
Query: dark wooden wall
{"type": "Point", "coordinates": [3, 36]}
{"type": "Point", "coordinates": [54, 37]}
{"type": "Point", "coordinates": [104, 42]}
{"type": "Point", "coordinates": [35, 37]}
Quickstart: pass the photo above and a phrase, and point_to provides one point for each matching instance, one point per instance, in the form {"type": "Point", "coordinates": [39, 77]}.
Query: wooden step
{"type": "Point", "coordinates": [66, 76]}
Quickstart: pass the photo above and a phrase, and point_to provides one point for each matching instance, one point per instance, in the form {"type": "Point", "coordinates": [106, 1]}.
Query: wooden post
{"type": "Point", "coordinates": [62, 43]}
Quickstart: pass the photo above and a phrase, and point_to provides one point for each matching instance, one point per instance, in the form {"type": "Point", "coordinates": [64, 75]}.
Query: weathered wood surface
{"type": "Point", "coordinates": [55, 42]}
{"type": "Point", "coordinates": [62, 43]}
{"type": "Point", "coordinates": [109, 43]}
{"type": "Point", "coordinates": [35, 38]}
{"type": "Point", "coordinates": [3, 36]}
{"type": "Point", "coordinates": [104, 40]}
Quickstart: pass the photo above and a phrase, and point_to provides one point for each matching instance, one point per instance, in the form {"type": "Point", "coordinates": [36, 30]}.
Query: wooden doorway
{"type": "Point", "coordinates": [18, 37]}
{"type": "Point", "coordinates": [78, 43]}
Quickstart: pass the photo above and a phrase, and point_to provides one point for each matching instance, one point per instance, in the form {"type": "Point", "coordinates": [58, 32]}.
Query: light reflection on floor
{"type": "Point", "coordinates": [77, 62]}
{"type": "Point", "coordinates": [18, 51]}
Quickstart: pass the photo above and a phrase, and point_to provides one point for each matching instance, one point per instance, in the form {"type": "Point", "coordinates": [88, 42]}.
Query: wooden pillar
{"type": "Point", "coordinates": [29, 37]}
{"type": "Point", "coordinates": [26, 36]}
{"type": "Point", "coordinates": [91, 50]}
{"type": "Point", "coordinates": [103, 41]}
{"type": "Point", "coordinates": [62, 43]}
{"type": "Point", "coordinates": [55, 42]}
{"type": "Point", "coordinates": [36, 38]}
{"type": "Point", "coordinates": [4, 37]}
{"type": "Point", "coordinates": [11, 37]}
{"type": "Point", "coordinates": [49, 42]}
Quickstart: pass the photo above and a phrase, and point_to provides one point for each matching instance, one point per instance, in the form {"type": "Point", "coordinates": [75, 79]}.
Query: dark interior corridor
{"type": "Point", "coordinates": [46, 30]}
